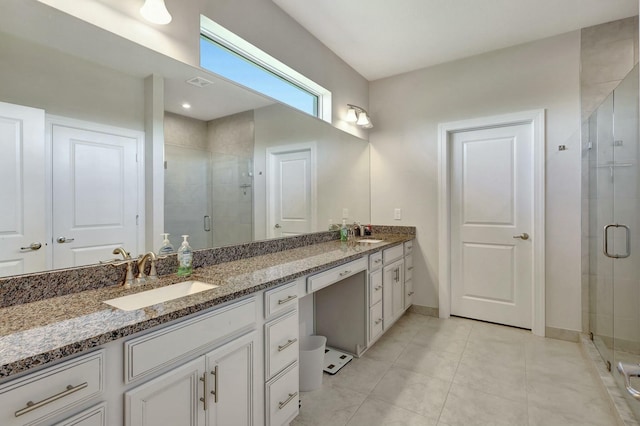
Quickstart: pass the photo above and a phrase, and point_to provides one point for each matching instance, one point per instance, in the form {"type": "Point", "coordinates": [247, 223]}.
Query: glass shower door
{"type": "Point", "coordinates": [622, 237]}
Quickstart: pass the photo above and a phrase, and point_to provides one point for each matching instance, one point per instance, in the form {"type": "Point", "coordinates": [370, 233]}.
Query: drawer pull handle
{"type": "Point", "coordinates": [377, 261]}
{"type": "Point", "coordinates": [35, 405]}
{"type": "Point", "coordinates": [378, 288]}
{"type": "Point", "coordinates": [214, 392]}
{"type": "Point", "coordinates": [411, 293]}
{"type": "Point", "coordinates": [410, 268]}
{"type": "Point", "coordinates": [347, 272]}
{"type": "Point", "coordinates": [286, 345]}
{"type": "Point", "coordinates": [288, 400]}
{"type": "Point", "coordinates": [378, 321]}
{"type": "Point", "coordinates": [203, 379]}
{"type": "Point", "coordinates": [288, 299]}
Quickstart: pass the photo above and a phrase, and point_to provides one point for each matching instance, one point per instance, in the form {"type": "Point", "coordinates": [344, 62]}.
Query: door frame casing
{"type": "Point", "coordinates": [271, 152]}
{"type": "Point", "coordinates": [536, 119]}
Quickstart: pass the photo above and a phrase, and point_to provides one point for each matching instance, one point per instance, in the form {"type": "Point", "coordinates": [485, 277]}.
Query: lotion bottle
{"type": "Point", "coordinates": [185, 258]}
{"type": "Point", "coordinates": [167, 247]}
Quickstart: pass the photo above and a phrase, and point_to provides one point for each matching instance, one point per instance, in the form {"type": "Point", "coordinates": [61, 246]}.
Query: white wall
{"type": "Point", "coordinates": [408, 109]}
{"type": "Point", "coordinates": [65, 85]}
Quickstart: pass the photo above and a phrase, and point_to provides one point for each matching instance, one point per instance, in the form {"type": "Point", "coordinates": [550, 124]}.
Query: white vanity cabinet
{"type": "Point", "coordinates": [56, 391]}
{"type": "Point", "coordinates": [408, 274]}
{"type": "Point", "coordinates": [281, 350]}
{"type": "Point", "coordinates": [214, 388]}
{"type": "Point", "coordinates": [375, 297]}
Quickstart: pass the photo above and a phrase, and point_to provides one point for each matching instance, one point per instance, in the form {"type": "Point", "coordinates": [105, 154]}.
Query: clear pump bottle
{"type": "Point", "coordinates": [167, 247]}
{"type": "Point", "coordinates": [185, 258]}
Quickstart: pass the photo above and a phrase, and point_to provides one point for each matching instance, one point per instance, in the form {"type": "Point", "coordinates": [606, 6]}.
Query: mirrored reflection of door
{"type": "Point", "coordinates": [615, 220]}
{"type": "Point", "coordinates": [290, 190]}
{"type": "Point", "coordinates": [187, 198]}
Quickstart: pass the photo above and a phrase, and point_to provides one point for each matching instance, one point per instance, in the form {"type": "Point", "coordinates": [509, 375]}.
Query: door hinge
{"type": "Point", "coordinates": [165, 165]}
{"type": "Point", "coordinates": [137, 219]}
{"type": "Point", "coordinates": [591, 335]}
{"type": "Point", "coordinates": [609, 366]}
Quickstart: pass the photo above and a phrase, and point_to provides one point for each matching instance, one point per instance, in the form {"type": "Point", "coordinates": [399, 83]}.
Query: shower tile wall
{"type": "Point", "coordinates": [608, 52]}
{"type": "Point", "coordinates": [231, 139]}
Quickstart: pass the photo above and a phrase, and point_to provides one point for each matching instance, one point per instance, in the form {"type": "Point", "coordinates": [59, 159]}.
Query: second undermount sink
{"type": "Point", "coordinates": [158, 295]}
{"type": "Point", "coordinates": [369, 241]}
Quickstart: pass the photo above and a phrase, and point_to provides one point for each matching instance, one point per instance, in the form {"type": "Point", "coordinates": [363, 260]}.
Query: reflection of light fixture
{"type": "Point", "coordinates": [358, 115]}
{"type": "Point", "coordinates": [186, 105]}
{"type": "Point", "coordinates": [155, 11]}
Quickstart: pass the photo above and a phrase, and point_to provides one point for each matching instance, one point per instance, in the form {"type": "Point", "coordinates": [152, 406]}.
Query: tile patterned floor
{"type": "Point", "coordinates": [433, 372]}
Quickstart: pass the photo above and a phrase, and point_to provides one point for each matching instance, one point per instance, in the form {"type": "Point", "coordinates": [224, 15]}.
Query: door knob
{"type": "Point", "coordinates": [277, 226]}
{"type": "Point", "coordinates": [523, 236]}
{"type": "Point", "coordinates": [63, 240]}
{"type": "Point", "coordinates": [32, 246]}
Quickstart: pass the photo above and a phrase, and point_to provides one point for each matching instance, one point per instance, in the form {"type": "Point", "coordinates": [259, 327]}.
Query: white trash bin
{"type": "Point", "coordinates": [311, 362]}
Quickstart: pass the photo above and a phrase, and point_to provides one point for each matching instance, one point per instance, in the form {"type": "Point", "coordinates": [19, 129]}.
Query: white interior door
{"type": "Point", "coordinates": [291, 191]}
{"type": "Point", "coordinates": [23, 245]}
{"type": "Point", "coordinates": [95, 194]}
{"type": "Point", "coordinates": [491, 221]}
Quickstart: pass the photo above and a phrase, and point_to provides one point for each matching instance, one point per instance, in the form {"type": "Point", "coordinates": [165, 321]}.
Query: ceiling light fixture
{"type": "Point", "coordinates": [358, 115]}
{"type": "Point", "coordinates": [155, 11]}
{"type": "Point", "coordinates": [186, 105]}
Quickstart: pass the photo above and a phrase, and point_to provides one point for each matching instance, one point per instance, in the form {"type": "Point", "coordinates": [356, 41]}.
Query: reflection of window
{"type": "Point", "coordinates": [228, 55]}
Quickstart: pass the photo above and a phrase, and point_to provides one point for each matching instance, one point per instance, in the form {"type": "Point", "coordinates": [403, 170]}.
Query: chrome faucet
{"type": "Point", "coordinates": [142, 263]}
{"type": "Point", "coordinates": [128, 280]}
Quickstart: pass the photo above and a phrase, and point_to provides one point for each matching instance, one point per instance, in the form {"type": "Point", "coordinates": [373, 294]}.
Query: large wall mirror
{"type": "Point", "coordinates": [81, 111]}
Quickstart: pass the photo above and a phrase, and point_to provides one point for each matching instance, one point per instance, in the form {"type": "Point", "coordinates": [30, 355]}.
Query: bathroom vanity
{"type": "Point", "coordinates": [227, 355]}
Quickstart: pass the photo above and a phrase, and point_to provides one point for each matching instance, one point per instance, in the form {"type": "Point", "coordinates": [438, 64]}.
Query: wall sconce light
{"type": "Point", "coordinates": [155, 11]}
{"type": "Point", "coordinates": [358, 115]}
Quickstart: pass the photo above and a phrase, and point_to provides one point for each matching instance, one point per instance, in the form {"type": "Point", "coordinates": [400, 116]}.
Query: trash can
{"type": "Point", "coordinates": [311, 362]}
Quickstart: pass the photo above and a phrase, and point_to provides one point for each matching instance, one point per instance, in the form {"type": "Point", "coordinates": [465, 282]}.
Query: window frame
{"type": "Point", "coordinates": [225, 38]}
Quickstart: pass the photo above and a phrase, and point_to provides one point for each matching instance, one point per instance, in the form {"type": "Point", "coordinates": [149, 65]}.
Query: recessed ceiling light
{"type": "Point", "coordinates": [186, 105]}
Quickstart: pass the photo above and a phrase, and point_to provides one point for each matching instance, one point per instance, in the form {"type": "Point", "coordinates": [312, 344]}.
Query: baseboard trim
{"type": "Point", "coordinates": [562, 334]}
{"type": "Point", "coordinates": [424, 310]}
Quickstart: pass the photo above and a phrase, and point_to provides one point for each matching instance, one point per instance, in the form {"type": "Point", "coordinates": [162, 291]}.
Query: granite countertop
{"type": "Point", "coordinates": [41, 332]}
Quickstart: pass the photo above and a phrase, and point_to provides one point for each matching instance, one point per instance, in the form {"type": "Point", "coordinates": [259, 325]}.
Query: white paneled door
{"type": "Point", "coordinates": [291, 189]}
{"type": "Point", "coordinates": [95, 194]}
{"type": "Point", "coordinates": [491, 224]}
{"type": "Point", "coordinates": [22, 188]}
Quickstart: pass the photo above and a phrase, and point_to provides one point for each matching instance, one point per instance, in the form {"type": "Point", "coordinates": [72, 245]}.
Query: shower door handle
{"type": "Point", "coordinates": [605, 246]}
{"type": "Point", "coordinates": [628, 371]}
{"type": "Point", "coordinates": [207, 223]}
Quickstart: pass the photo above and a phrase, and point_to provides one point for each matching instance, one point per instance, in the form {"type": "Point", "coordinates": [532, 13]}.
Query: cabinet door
{"type": "Point", "coordinates": [392, 301]}
{"type": "Point", "coordinates": [171, 399]}
{"type": "Point", "coordinates": [230, 387]}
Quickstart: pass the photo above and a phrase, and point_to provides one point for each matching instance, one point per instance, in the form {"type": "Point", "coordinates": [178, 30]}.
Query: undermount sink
{"type": "Point", "coordinates": [369, 241]}
{"type": "Point", "coordinates": [158, 295]}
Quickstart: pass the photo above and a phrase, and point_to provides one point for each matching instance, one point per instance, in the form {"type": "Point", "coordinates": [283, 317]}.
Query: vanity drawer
{"type": "Point", "coordinates": [281, 343]}
{"type": "Point", "coordinates": [282, 397]}
{"type": "Point", "coordinates": [375, 287]}
{"type": "Point", "coordinates": [154, 351]}
{"type": "Point", "coordinates": [333, 275]}
{"type": "Point", "coordinates": [408, 268]}
{"type": "Point", "coordinates": [375, 261]}
{"type": "Point", "coordinates": [391, 254]}
{"type": "Point", "coordinates": [375, 321]}
{"type": "Point", "coordinates": [280, 299]}
{"type": "Point", "coordinates": [408, 294]}
{"type": "Point", "coordinates": [47, 393]}
{"type": "Point", "coordinates": [408, 248]}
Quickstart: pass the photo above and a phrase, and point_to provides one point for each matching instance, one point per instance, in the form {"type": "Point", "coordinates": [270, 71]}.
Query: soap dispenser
{"type": "Point", "coordinates": [344, 232]}
{"type": "Point", "coordinates": [185, 258]}
{"type": "Point", "coordinates": [166, 248]}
